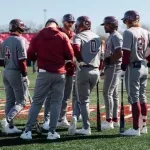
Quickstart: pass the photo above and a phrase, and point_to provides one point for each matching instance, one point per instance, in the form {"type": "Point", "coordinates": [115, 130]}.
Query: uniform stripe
{"type": "Point", "coordinates": [76, 85]}
{"type": "Point", "coordinates": [128, 84]}
{"type": "Point", "coordinates": [112, 77]}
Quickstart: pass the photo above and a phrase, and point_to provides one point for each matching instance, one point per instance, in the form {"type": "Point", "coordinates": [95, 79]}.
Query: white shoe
{"type": "Point", "coordinates": [26, 135]}
{"type": "Point", "coordinates": [16, 130]}
{"type": "Point", "coordinates": [64, 124]}
{"type": "Point", "coordinates": [144, 130]}
{"type": "Point", "coordinates": [4, 122]}
{"type": "Point", "coordinates": [84, 131]}
{"type": "Point", "coordinates": [73, 126]}
{"type": "Point", "coordinates": [107, 125]}
{"type": "Point", "coordinates": [46, 125]}
{"type": "Point", "coordinates": [116, 124]}
{"type": "Point", "coordinates": [53, 136]}
{"type": "Point", "coordinates": [131, 132]}
{"type": "Point", "coordinates": [80, 119]}
{"type": "Point", "coordinates": [7, 130]}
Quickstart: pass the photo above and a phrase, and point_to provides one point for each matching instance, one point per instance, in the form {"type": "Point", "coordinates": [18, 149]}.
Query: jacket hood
{"type": "Point", "coordinates": [49, 33]}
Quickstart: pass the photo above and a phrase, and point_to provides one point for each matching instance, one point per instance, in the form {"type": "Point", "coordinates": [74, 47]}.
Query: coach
{"type": "Point", "coordinates": [50, 48]}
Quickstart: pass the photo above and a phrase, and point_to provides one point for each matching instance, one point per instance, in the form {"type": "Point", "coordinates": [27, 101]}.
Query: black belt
{"type": "Point", "coordinates": [137, 64]}
{"type": "Point", "coordinates": [89, 66]}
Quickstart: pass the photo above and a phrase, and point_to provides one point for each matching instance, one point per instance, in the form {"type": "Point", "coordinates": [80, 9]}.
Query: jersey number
{"type": "Point", "coordinates": [7, 53]}
{"type": "Point", "coordinates": [141, 43]}
{"type": "Point", "coordinates": [93, 46]}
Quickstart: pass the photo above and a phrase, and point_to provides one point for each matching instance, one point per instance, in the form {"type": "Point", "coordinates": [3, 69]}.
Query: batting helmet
{"type": "Point", "coordinates": [17, 25]}
{"type": "Point", "coordinates": [83, 22]}
{"type": "Point", "coordinates": [50, 21]}
{"type": "Point", "coordinates": [110, 20]}
{"type": "Point", "coordinates": [68, 18]}
{"type": "Point", "coordinates": [130, 16]}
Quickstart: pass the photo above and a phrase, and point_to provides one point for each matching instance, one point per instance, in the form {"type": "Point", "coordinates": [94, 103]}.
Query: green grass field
{"type": "Point", "coordinates": [105, 140]}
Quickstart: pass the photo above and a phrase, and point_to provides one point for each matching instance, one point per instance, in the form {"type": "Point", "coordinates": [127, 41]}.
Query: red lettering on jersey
{"type": "Point", "coordinates": [141, 43]}
{"type": "Point", "coordinates": [7, 53]}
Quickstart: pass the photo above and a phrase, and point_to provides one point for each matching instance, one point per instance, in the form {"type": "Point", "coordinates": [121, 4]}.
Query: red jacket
{"type": "Point", "coordinates": [50, 48]}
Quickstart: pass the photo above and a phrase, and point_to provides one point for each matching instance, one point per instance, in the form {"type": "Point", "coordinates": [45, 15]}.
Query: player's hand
{"type": "Point", "coordinates": [70, 68]}
{"type": "Point", "coordinates": [123, 67]}
{"type": "Point", "coordinates": [122, 75]}
{"type": "Point", "coordinates": [25, 79]}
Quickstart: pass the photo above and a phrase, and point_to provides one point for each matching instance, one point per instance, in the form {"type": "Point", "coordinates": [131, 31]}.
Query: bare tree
{"type": "Point", "coordinates": [100, 31]}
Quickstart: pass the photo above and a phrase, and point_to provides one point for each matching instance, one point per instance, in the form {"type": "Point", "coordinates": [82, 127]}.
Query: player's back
{"type": "Point", "coordinates": [13, 51]}
{"type": "Point", "coordinates": [140, 41]}
{"type": "Point", "coordinates": [90, 47]}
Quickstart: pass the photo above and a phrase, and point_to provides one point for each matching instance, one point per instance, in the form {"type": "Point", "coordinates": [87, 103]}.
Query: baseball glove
{"type": "Point", "coordinates": [70, 68]}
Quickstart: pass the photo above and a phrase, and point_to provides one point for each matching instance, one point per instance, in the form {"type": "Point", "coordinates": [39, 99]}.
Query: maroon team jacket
{"type": "Point", "coordinates": [50, 47]}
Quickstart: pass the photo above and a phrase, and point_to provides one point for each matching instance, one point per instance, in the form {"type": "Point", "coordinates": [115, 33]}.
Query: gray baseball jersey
{"type": "Point", "coordinates": [12, 50]}
{"type": "Point", "coordinates": [136, 40]}
{"type": "Point", "coordinates": [90, 47]}
{"type": "Point", "coordinates": [113, 42]}
{"type": "Point", "coordinates": [111, 80]}
{"type": "Point", "coordinates": [86, 79]}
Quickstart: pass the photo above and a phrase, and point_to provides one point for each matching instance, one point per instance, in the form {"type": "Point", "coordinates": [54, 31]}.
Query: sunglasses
{"type": "Point", "coordinates": [70, 22]}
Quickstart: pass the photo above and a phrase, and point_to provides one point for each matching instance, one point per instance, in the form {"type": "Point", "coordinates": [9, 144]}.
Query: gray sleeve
{"type": "Point", "coordinates": [149, 39]}
{"type": "Point", "coordinates": [117, 41]}
{"type": "Point", "coordinates": [1, 52]}
{"type": "Point", "coordinates": [21, 49]}
{"type": "Point", "coordinates": [77, 40]}
{"type": "Point", "coordinates": [127, 40]}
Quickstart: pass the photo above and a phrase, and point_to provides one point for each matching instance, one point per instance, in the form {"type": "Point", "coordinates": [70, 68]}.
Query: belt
{"type": "Point", "coordinates": [89, 66]}
{"type": "Point", "coordinates": [137, 62]}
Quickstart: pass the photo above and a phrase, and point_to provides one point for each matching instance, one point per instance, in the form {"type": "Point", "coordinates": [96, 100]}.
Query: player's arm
{"type": "Point", "coordinates": [1, 56]}
{"type": "Point", "coordinates": [117, 42]}
{"type": "Point", "coordinates": [126, 48]}
{"type": "Point", "coordinates": [148, 50]}
{"type": "Point", "coordinates": [68, 50]}
{"type": "Point", "coordinates": [32, 50]}
{"type": "Point", "coordinates": [22, 56]}
{"type": "Point", "coordinates": [102, 51]}
{"type": "Point", "coordinates": [77, 47]}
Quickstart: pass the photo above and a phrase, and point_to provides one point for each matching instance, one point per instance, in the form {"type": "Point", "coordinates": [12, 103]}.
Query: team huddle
{"type": "Point", "coordinates": [71, 63]}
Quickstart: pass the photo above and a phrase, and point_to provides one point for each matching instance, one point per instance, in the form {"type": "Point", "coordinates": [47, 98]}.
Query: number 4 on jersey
{"type": "Point", "coordinates": [7, 53]}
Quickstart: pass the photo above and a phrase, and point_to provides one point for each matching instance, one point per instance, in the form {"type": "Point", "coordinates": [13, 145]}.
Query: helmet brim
{"type": "Point", "coordinates": [102, 24]}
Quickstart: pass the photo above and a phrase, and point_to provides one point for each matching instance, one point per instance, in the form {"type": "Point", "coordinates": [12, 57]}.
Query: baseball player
{"type": "Point", "coordinates": [50, 48]}
{"type": "Point", "coordinates": [86, 45]}
{"type": "Point", "coordinates": [68, 21]}
{"type": "Point", "coordinates": [136, 40]}
{"type": "Point", "coordinates": [112, 69]}
{"type": "Point", "coordinates": [13, 55]}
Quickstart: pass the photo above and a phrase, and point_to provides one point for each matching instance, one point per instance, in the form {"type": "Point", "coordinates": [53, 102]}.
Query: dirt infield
{"type": "Point", "coordinates": [23, 114]}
